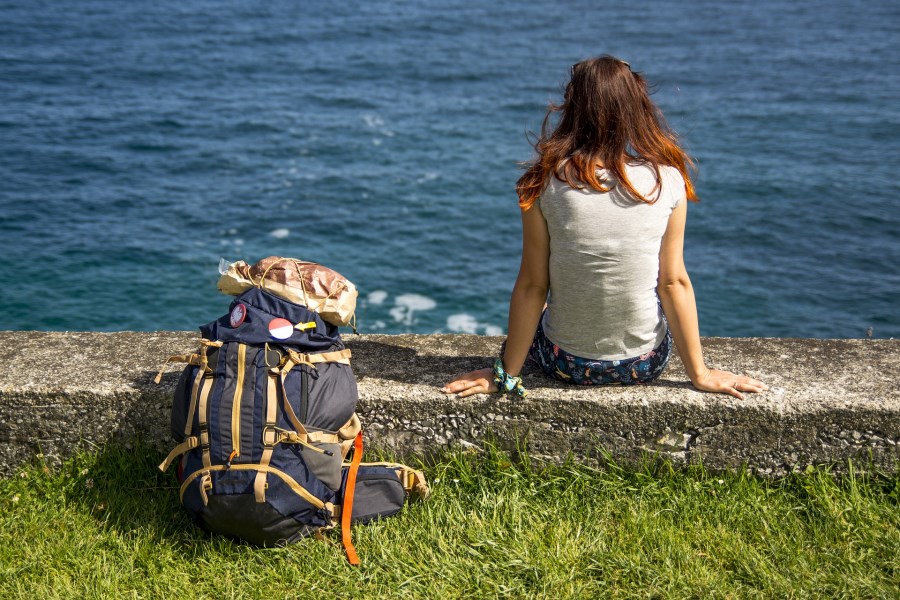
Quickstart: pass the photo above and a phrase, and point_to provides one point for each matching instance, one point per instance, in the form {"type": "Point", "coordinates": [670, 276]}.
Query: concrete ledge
{"type": "Point", "coordinates": [830, 400]}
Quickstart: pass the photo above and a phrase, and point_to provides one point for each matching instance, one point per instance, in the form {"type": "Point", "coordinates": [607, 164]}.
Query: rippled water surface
{"type": "Point", "coordinates": [141, 142]}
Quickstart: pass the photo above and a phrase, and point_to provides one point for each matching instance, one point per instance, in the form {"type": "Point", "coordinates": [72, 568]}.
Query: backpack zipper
{"type": "Point", "coordinates": [236, 406]}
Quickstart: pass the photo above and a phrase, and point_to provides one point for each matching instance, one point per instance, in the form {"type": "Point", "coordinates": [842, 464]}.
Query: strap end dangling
{"type": "Point", "coordinates": [347, 508]}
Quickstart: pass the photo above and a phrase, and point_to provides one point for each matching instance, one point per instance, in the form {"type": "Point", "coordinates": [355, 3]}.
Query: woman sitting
{"type": "Point", "coordinates": [603, 215]}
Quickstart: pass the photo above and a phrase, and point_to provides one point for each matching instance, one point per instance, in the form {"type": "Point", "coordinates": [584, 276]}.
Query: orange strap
{"type": "Point", "coordinates": [347, 509]}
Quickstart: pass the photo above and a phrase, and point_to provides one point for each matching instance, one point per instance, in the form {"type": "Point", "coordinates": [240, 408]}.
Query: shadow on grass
{"type": "Point", "coordinates": [120, 486]}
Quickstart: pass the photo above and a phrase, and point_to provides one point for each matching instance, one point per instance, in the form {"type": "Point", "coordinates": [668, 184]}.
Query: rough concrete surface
{"type": "Point", "coordinates": [829, 401]}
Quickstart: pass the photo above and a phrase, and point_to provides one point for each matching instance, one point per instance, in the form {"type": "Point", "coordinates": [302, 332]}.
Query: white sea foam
{"type": "Point", "coordinates": [462, 323]}
{"type": "Point", "coordinates": [280, 233]}
{"type": "Point", "coordinates": [407, 305]}
{"type": "Point", "coordinates": [430, 176]}
{"type": "Point", "coordinates": [373, 121]}
{"type": "Point", "coordinates": [466, 323]}
{"type": "Point", "coordinates": [415, 302]}
{"type": "Point", "coordinates": [376, 123]}
{"type": "Point", "coordinates": [377, 297]}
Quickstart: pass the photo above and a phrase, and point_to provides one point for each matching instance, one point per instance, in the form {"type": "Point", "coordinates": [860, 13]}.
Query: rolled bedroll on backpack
{"type": "Point", "coordinates": [315, 286]}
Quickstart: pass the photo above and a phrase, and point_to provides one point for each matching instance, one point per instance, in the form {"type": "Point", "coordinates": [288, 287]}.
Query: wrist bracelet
{"type": "Point", "coordinates": [506, 383]}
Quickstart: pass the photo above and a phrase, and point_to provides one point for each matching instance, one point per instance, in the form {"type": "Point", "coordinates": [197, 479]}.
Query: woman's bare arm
{"type": "Point", "coordinates": [525, 307]}
{"type": "Point", "coordinates": [677, 297]}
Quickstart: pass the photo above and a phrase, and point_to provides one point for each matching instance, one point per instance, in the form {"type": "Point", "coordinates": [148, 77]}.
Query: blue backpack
{"type": "Point", "coordinates": [264, 417]}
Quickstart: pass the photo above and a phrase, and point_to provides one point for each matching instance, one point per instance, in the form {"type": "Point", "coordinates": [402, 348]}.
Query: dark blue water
{"type": "Point", "coordinates": [142, 141]}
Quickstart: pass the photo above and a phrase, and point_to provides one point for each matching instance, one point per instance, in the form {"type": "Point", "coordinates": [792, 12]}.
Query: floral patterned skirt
{"type": "Point", "coordinates": [559, 364]}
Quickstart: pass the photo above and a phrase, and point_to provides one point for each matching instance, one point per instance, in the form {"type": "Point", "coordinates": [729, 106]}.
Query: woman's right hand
{"type": "Point", "coordinates": [473, 382]}
{"type": "Point", "coordinates": [726, 382]}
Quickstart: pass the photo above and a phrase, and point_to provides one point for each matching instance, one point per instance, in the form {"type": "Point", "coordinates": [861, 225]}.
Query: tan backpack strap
{"type": "Point", "coordinates": [185, 446]}
{"type": "Point", "coordinates": [270, 435]}
{"type": "Point", "coordinates": [288, 409]}
{"type": "Point", "coordinates": [338, 356]}
{"type": "Point", "coordinates": [205, 486]}
{"type": "Point", "coordinates": [274, 435]}
{"type": "Point", "coordinates": [190, 359]}
{"type": "Point", "coordinates": [283, 436]}
{"type": "Point", "coordinates": [413, 481]}
{"type": "Point", "coordinates": [323, 437]}
{"type": "Point", "coordinates": [347, 433]}
{"type": "Point", "coordinates": [195, 392]}
{"type": "Point", "coordinates": [203, 415]}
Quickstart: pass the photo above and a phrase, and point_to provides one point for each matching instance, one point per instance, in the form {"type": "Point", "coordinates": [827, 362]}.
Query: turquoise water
{"type": "Point", "coordinates": [141, 142]}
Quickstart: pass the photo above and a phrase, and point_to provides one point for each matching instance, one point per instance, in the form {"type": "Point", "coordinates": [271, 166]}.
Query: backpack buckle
{"type": "Point", "coordinates": [206, 486]}
{"type": "Point", "coordinates": [204, 436]}
{"type": "Point", "coordinates": [270, 436]}
{"type": "Point", "coordinates": [274, 356]}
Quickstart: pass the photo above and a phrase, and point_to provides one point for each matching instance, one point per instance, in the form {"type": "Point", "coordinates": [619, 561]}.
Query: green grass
{"type": "Point", "coordinates": [106, 525]}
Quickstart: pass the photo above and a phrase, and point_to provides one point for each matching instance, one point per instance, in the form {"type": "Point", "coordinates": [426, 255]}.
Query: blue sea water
{"type": "Point", "coordinates": [142, 141]}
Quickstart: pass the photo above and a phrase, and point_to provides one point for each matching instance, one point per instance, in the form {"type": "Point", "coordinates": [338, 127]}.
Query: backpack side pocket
{"type": "Point", "coordinates": [182, 401]}
{"type": "Point", "coordinates": [378, 493]}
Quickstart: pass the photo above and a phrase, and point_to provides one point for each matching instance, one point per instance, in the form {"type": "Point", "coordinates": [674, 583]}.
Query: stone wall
{"type": "Point", "coordinates": [829, 401]}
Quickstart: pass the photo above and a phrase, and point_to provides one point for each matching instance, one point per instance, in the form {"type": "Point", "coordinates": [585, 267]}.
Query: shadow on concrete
{"type": "Point", "coordinates": [406, 365]}
{"type": "Point", "coordinates": [403, 364]}
{"type": "Point", "coordinates": [148, 419]}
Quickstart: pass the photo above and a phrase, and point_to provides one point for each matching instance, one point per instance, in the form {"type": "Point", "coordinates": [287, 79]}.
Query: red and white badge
{"type": "Point", "coordinates": [281, 329]}
{"type": "Point", "coordinates": [238, 314]}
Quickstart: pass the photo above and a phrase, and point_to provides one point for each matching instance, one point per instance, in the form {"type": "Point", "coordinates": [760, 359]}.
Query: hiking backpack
{"type": "Point", "coordinates": [264, 417]}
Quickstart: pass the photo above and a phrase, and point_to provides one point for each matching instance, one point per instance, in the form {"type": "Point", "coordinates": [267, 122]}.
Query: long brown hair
{"type": "Point", "coordinates": [607, 120]}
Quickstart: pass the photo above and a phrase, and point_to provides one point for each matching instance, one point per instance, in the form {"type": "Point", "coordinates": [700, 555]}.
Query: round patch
{"type": "Point", "coordinates": [281, 329]}
{"type": "Point", "coordinates": [238, 314]}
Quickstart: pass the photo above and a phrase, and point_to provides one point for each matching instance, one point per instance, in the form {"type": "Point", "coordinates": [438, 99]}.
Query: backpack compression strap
{"type": "Point", "coordinates": [269, 435]}
{"type": "Point", "coordinates": [338, 356]}
{"type": "Point", "coordinates": [347, 508]}
{"type": "Point", "coordinates": [413, 481]}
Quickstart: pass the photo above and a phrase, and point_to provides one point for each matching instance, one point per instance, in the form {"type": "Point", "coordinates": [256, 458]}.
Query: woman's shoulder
{"type": "Point", "coordinates": [670, 179]}
{"type": "Point", "coordinates": [671, 175]}
{"type": "Point", "coordinates": [668, 173]}
{"type": "Point", "coordinates": [673, 184]}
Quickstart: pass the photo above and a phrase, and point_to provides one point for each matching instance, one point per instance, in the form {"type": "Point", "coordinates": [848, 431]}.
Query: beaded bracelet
{"type": "Point", "coordinates": [506, 383]}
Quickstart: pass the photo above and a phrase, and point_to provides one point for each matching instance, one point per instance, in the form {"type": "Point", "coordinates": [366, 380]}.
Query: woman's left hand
{"type": "Point", "coordinates": [473, 382]}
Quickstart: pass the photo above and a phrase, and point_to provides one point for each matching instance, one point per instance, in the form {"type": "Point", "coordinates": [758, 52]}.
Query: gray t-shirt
{"type": "Point", "coordinates": [604, 264]}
